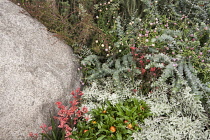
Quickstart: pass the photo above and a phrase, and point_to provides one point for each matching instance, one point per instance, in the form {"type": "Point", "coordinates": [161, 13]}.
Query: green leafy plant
{"type": "Point", "coordinates": [112, 122]}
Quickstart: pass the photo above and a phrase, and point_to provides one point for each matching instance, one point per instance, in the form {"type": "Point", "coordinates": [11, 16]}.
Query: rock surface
{"type": "Point", "coordinates": [36, 70]}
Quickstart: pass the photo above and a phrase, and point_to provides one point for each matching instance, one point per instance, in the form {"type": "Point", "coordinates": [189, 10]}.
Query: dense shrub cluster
{"type": "Point", "coordinates": [156, 51]}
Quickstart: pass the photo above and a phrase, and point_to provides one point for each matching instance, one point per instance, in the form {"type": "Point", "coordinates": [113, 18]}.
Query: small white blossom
{"type": "Point", "coordinates": [175, 65]}
{"type": "Point", "coordinates": [191, 35]}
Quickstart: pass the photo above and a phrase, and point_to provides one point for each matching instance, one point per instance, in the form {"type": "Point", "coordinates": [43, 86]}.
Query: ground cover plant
{"type": "Point", "coordinates": [113, 122]}
{"type": "Point", "coordinates": [156, 52]}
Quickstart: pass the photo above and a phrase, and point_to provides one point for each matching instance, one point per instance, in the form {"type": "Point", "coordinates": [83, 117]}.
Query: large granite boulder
{"type": "Point", "coordinates": [36, 70]}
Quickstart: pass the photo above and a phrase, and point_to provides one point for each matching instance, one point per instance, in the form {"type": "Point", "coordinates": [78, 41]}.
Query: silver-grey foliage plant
{"type": "Point", "coordinates": [180, 117]}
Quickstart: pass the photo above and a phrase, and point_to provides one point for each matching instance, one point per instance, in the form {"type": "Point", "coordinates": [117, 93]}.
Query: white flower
{"type": "Point", "coordinates": [120, 50]}
{"type": "Point", "coordinates": [102, 45]}
{"type": "Point", "coordinates": [96, 41]}
{"type": "Point", "coordinates": [175, 65]}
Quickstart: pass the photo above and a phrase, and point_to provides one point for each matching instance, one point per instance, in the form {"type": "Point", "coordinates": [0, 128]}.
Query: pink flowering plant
{"type": "Point", "coordinates": [65, 121]}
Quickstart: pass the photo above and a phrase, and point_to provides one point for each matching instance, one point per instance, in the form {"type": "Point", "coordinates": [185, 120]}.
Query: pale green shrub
{"type": "Point", "coordinates": [176, 116]}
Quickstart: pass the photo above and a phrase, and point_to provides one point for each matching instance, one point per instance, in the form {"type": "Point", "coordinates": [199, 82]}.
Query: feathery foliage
{"type": "Point", "coordinates": [176, 116]}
